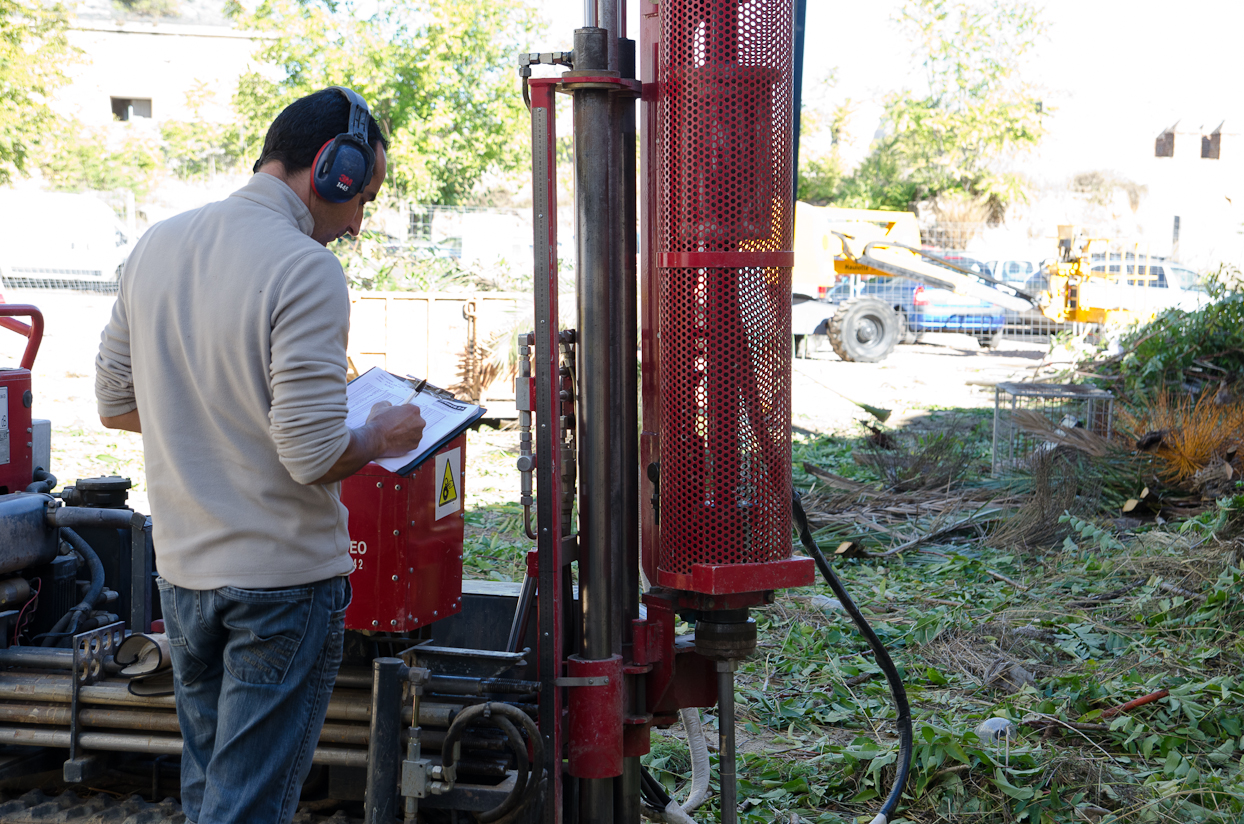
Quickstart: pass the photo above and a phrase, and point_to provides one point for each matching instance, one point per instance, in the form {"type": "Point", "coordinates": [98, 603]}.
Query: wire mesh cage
{"type": "Point", "coordinates": [1060, 405]}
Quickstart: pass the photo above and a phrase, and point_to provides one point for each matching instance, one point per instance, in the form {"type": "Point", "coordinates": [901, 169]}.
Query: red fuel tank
{"type": "Point", "coordinates": [406, 542]}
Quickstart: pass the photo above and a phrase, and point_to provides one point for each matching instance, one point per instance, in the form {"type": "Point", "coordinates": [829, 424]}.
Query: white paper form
{"type": "Point", "coordinates": [442, 417]}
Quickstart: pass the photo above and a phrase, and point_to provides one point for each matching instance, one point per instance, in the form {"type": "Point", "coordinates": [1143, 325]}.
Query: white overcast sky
{"type": "Point", "coordinates": [1116, 72]}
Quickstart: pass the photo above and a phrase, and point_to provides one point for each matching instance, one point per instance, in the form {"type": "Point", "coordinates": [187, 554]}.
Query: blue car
{"type": "Point", "coordinates": [924, 308]}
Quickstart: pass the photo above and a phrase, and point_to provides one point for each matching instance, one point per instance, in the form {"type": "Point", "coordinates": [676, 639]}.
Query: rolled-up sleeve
{"type": "Point", "coordinates": [114, 380]}
{"type": "Point", "coordinates": [310, 323]}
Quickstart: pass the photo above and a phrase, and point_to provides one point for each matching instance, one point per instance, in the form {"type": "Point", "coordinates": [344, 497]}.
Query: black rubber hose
{"type": "Point", "coordinates": [44, 481]}
{"type": "Point", "coordinates": [96, 569]}
{"type": "Point", "coordinates": [490, 713]}
{"type": "Point", "coordinates": [652, 790]}
{"type": "Point", "coordinates": [519, 747]}
{"type": "Point", "coordinates": [879, 653]}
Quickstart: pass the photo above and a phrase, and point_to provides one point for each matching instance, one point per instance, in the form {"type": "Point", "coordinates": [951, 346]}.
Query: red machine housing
{"type": "Point", "coordinates": [406, 542]}
{"type": "Point", "coordinates": [717, 258]}
{"type": "Point", "coordinates": [16, 443]}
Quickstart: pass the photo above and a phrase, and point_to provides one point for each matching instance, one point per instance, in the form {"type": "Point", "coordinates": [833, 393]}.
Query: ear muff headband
{"type": "Point", "coordinates": [343, 166]}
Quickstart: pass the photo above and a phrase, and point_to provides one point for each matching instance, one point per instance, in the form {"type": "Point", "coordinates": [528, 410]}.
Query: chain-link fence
{"type": "Point", "coordinates": [61, 281]}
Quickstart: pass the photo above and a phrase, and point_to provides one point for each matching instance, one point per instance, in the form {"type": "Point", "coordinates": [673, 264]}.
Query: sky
{"type": "Point", "coordinates": [1115, 73]}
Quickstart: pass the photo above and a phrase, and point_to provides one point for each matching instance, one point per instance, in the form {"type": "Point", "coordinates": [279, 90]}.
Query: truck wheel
{"type": "Point", "coordinates": [906, 334]}
{"type": "Point", "coordinates": [991, 341]}
{"type": "Point", "coordinates": [864, 330]}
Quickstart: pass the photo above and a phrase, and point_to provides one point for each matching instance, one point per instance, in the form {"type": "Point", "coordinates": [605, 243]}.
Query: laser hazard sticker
{"type": "Point", "coordinates": [448, 483]}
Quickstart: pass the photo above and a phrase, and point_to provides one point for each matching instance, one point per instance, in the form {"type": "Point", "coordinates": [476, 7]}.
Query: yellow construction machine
{"type": "Point", "coordinates": [844, 287]}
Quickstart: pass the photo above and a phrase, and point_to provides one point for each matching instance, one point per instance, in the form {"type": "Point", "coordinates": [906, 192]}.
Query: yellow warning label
{"type": "Point", "coordinates": [449, 492]}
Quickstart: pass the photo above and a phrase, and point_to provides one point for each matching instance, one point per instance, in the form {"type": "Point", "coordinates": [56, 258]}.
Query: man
{"type": "Point", "coordinates": [227, 350]}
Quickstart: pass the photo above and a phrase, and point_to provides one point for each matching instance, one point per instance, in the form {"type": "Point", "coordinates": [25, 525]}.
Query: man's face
{"type": "Point", "coordinates": [332, 220]}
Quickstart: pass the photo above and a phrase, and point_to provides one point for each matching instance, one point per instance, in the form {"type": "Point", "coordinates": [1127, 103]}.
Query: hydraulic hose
{"type": "Point", "coordinates": [879, 653]}
{"type": "Point", "coordinates": [501, 716]}
{"type": "Point", "coordinates": [73, 617]}
{"type": "Point", "coordinates": [43, 481]}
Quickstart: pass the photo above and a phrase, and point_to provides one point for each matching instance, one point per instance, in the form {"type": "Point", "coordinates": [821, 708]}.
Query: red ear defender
{"type": "Point", "coordinates": [315, 167]}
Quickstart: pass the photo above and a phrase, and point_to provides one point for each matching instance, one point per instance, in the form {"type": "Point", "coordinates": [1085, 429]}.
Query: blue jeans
{"type": "Point", "coordinates": [253, 670]}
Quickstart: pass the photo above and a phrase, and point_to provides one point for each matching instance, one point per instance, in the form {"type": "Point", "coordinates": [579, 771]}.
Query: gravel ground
{"type": "Point", "coordinates": [943, 371]}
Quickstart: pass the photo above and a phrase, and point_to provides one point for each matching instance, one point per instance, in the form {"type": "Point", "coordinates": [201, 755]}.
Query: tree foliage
{"type": "Point", "coordinates": [200, 146]}
{"type": "Point", "coordinates": [974, 111]}
{"type": "Point", "coordinates": [77, 158]}
{"type": "Point", "coordinates": [439, 76]}
{"type": "Point", "coordinates": [33, 53]}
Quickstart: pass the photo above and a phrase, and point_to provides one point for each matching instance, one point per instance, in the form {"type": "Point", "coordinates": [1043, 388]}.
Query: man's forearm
{"type": "Point", "coordinates": [129, 421]}
{"type": "Point", "coordinates": [365, 445]}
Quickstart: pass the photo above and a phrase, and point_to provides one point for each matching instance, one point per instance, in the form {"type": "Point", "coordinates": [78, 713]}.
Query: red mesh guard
{"type": "Point", "coordinates": [724, 131]}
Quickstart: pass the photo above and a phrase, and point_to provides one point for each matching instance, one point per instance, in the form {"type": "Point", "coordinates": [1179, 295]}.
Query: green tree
{"type": "Point", "coordinates": [974, 111]}
{"type": "Point", "coordinates": [200, 146]}
{"type": "Point", "coordinates": [77, 158]}
{"type": "Point", "coordinates": [439, 75]}
{"type": "Point", "coordinates": [33, 54]}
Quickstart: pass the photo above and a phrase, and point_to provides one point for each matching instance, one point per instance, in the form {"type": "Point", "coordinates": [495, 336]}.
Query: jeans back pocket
{"type": "Point", "coordinates": [267, 628]}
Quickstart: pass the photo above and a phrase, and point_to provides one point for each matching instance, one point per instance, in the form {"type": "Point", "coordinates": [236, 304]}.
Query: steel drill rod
{"type": "Point", "coordinates": [159, 721]}
{"type": "Point", "coordinates": [154, 744]}
{"type": "Point", "coordinates": [57, 687]}
{"type": "Point", "coordinates": [592, 115]}
{"type": "Point", "coordinates": [725, 750]}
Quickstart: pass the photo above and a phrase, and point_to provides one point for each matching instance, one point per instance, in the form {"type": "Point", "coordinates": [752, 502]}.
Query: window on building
{"type": "Point", "coordinates": [128, 108]}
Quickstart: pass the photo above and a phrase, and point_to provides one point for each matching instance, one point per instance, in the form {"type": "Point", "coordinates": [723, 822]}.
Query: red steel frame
{"type": "Point", "coordinates": [547, 421]}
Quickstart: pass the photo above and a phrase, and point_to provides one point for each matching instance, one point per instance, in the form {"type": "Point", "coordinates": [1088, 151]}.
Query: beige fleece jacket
{"type": "Point", "coordinates": [229, 337]}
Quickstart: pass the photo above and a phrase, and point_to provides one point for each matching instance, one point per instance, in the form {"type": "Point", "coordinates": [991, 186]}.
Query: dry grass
{"type": "Point", "coordinates": [1193, 434]}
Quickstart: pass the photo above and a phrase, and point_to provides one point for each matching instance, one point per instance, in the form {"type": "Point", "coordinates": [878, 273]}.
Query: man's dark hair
{"type": "Point", "coordinates": [306, 125]}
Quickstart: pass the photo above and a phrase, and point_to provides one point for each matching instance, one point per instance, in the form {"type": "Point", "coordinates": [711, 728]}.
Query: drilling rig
{"type": "Point", "coordinates": [531, 702]}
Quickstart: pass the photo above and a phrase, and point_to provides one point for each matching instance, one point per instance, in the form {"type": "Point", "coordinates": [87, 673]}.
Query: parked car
{"type": "Point", "coordinates": [60, 236]}
{"type": "Point", "coordinates": [980, 267]}
{"type": "Point", "coordinates": [927, 309]}
{"type": "Point", "coordinates": [1016, 271]}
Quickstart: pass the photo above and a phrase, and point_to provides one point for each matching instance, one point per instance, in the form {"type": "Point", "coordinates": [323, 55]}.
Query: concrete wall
{"type": "Point", "coordinates": [160, 62]}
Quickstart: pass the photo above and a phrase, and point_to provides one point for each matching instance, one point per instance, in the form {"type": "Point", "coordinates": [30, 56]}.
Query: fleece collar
{"type": "Point", "coordinates": [274, 193]}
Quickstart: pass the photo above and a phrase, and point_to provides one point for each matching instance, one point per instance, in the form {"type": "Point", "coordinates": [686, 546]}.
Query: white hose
{"type": "Point", "coordinates": [672, 814]}
{"type": "Point", "coordinates": [675, 813]}
{"type": "Point", "coordinates": [699, 758]}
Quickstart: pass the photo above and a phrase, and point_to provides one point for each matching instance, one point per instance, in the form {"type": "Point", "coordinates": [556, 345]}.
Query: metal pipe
{"type": "Point", "coordinates": [55, 687]}
{"type": "Point", "coordinates": [38, 658]}
{"type": "Point", "coordinates": [591, 17]}
{"type": "Point", "coordinates": [76, 517]}
{"type": "Point", "coordinates": [593, 230]}
{"type": "Point", "coordinates": [156, 744]}
{"type": "Point", "coordinates": [331, 733]}
{"type": "Point", "coordinates": [384, 752]}
{"type": "Point", "coordinates": [608, 20]}
{"type": "Point", "coordinates": [801, 18]}
{"type": "Point", "coordinates": [725, 750]}
{"type": "Point", "coordinates": [60, 715]}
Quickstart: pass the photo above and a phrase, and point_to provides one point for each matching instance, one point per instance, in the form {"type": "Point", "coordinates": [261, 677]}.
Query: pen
{"type": "Point", "coordinates": [418, 388]}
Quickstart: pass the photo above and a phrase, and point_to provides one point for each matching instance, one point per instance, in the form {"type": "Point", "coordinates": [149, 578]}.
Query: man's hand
{"type": "Point", "coordinates": [400, 427]}
{"type": "Point", "coordinates": [390, 431]}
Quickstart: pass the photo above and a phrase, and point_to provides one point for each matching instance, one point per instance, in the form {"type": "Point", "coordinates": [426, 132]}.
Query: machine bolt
{"type": "Point", "coordinates": [393, 623]}
{"type": "Point", "coordinates": [379, 484]}
{"type": "Point", "coordinates": [375, 623]}
{"type": "Point", "coordinates": [394, 577]}
{"type": "Point", "coordinates": [397, 486]}
{"type": "Point", "coordinates": [411, 570]}
{"type": "Point", "coordinates": [397, 532]}
{"type": "Point", "coordinates": [434, 613]}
